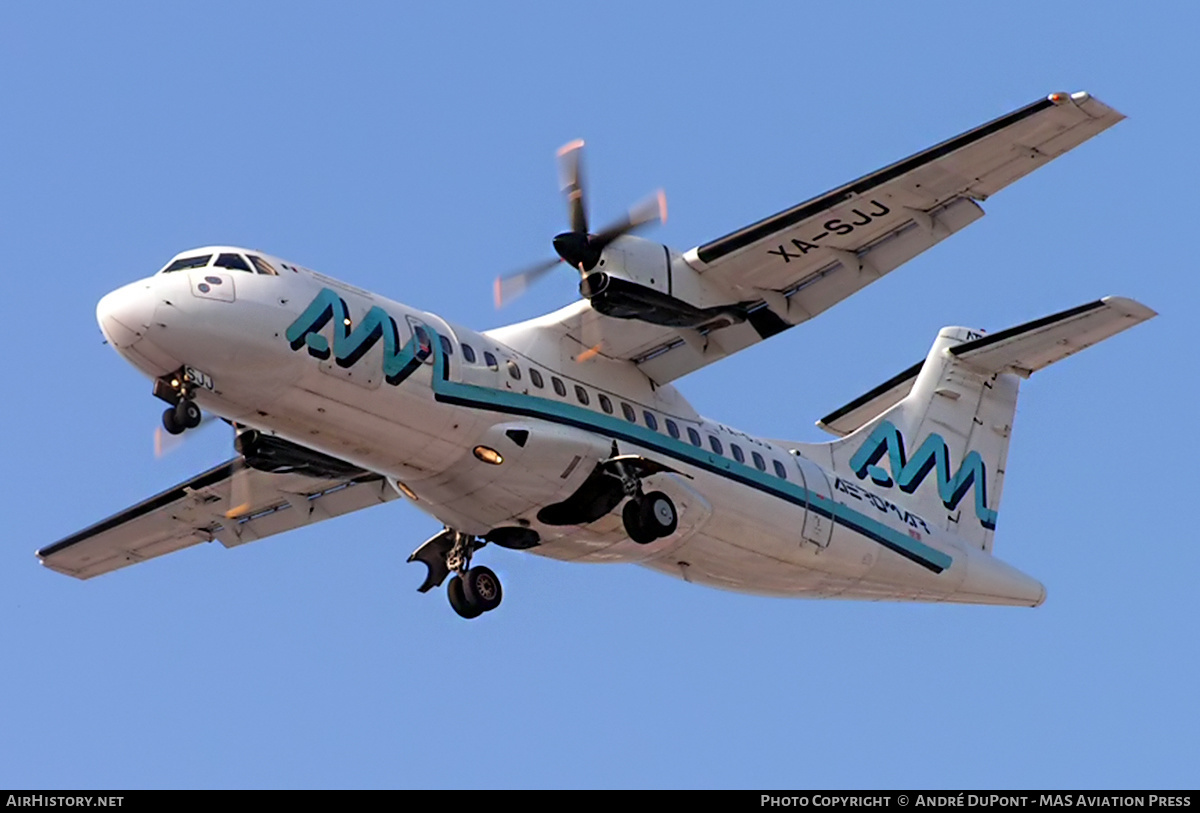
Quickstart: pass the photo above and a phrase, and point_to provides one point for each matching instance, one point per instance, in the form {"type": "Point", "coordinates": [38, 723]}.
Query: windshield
{"type": "Point", "coordinates": [198, 261]}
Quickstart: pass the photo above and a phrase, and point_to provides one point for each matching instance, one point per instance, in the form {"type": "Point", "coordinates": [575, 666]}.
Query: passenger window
{"type": "Point", "coordinates": [263, 266]}
{"type": "Point", "coordinates": [737, 453]}
{"type": "Point", "coordinates": [536, 378]}
{"type": "Point", "coordinates": [715, 444]}
{"type": "Point", "coordinates": [559, 387]}
{"type": "Point", "coordinates": [759, 463]}
{"type": "Point", "coordinates": [628, 412]}
{"type": "Point", "coordinates": [605, 403]}
{"type": "Point", "coordinates": [779, 470]}
{"type": "Point", "coordinates": [447, 347]}
{"type": "Point", "coordinates": [184, 263]}
{"type": "Point", "coordinates": [233, 262]}
{"type": "Point", "coordinates": [514, 371]}
{"type": "Point", "coordinates": [693, 436]}
{"type": "Point", "coordinates": [672, 429]}
{"type": "Point", "coordinates": [469, 353]}
{"type": "Point", "coordinates": [651, 421]}
{"type": "Point", "coordinates": [581, 395]}
{"type": "Point", "coordinates": [490, 360]}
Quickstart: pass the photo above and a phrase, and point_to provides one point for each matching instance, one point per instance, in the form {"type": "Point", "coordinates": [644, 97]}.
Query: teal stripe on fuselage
{"type": "Point", "coordinates": [533, 406]}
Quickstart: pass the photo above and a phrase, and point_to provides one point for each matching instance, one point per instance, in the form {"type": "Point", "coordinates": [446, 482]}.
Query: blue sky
{"type": "Point", "coordinates": [409, 149]}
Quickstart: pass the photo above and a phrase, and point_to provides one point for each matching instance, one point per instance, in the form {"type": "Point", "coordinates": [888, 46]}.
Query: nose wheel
{"type": "Point", "coordinates": [184, 415]}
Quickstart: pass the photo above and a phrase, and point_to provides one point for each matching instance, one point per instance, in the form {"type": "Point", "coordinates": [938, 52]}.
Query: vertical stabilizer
{"type": "Point", "coordinates": [941, 429]}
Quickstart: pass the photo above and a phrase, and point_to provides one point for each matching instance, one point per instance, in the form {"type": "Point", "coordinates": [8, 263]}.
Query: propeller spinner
{"type": "Point", "coordinates": [579, 247]}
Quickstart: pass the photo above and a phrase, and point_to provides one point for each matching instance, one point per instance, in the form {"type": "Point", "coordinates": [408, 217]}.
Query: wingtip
{"type": "Point", "coordinates": [1131, 307]}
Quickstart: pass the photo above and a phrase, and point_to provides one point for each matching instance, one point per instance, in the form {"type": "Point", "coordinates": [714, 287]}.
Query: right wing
{"type": "Point", "coordinates": [230, 503]}
{"type": "Point", "coordinates": [788, 268]}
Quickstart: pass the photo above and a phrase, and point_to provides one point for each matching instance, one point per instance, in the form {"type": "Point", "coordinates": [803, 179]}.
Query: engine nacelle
{"type": "Point", "coordinates": [640, 279]}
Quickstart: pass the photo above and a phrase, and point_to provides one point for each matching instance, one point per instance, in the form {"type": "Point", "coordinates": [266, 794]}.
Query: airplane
{"type": "Point", "coordinates": [564, 435]}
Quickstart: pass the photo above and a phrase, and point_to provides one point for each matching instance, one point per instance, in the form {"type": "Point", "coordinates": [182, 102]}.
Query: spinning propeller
{"type": "Point", "coordinates": [241, 496]}
{"type": "Point", "coordinates": [579, 247]}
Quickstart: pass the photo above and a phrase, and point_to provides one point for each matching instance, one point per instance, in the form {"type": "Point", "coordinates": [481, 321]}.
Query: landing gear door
{"type": "Point", "coordinates": [818, 518]}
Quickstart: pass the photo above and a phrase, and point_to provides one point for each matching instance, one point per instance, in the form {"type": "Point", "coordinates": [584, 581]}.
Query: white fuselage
{"type": "Point", "coordinates": [773, 522]}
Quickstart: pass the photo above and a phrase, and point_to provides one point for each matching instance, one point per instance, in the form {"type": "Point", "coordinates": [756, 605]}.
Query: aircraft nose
{"type": "Point", "coordinates": [125, 315]}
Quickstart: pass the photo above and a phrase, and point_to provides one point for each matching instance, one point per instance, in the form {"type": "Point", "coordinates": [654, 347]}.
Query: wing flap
{"type": "Point", "coordinates": [834, 276]}
{"type": "Point", "coordinates": [230, 503]}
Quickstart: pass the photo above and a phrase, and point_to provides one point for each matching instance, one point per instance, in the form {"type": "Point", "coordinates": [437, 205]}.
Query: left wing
{"type": "Point", "coordinates": [230, 503]}
{"type": "Point", "coordinates": [767, 277]}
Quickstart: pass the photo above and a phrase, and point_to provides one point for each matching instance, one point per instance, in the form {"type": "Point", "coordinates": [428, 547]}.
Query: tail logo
{"type": "Point", "coordinates": [399, 362]}
{"type": "Point", "coordinates": [908, 473]}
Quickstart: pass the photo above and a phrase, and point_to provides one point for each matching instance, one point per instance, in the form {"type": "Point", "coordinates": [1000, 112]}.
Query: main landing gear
{"type": "Point", "coordinates": [647, 517]}
{"type": "Point", "coordinates": [650, 517]}
{"type": "Point", "coordinates": [472, 591]}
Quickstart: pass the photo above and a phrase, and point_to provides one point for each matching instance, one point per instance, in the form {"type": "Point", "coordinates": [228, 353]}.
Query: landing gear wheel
{"type": "Point", "coordinates": [638, 531]}
{"type": "Point", "coordinates": [187, 414]}
{"type": "Point", "coordinates": [458, 600]}
{"type": "Point", "coordinates": [658, 514]}
{"type": "Point", "coordinates": [170, 423]}
{"type": "Point", "coordinates": [482, 589]}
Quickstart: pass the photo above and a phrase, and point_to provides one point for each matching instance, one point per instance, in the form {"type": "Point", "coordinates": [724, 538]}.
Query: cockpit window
{"type": "Point", "coordinates": [234, 262]}
{"type": "Point", "coordinates": [182, 263]}
{"type": "Point", "coordinates": [262, 265]}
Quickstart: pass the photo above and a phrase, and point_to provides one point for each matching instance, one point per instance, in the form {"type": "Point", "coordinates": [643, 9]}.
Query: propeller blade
{"type": "Point", "coordinates": [240, 497]}
{"type": "Point", "coordinates": [506, 289]}
{"type": "Point", "coordinates": [651, 210]}
{"type": "Point", "coordinates": [165, 442]}
{"type": "Point", "coordinates": [239, 491]}
{"type": "Point", "coordinates": [590, 337]}
{"type": "Point", "coordinates": [570, 173]}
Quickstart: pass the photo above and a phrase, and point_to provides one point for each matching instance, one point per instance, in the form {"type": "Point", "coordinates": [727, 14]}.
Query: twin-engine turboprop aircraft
{"type": "Point", "coordinates": [563, 435]}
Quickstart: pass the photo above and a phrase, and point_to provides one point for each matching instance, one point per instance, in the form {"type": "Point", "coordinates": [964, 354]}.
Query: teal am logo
{"type": "Point", "coordinates": [399, 361]}
{"type": "Point", "coordinates": [909, 472]}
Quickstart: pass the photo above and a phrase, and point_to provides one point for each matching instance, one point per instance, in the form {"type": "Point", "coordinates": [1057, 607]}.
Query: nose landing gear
{"type": "Point", "coordinates": [472, 591]}
{"type": "Point", "coordinates": [176, 389]}
{"type": "Point", "coordinates": [184, 415]}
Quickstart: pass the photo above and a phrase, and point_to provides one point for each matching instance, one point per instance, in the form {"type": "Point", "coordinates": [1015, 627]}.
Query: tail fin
{"type": "Point", "coordinates": [957, 407]}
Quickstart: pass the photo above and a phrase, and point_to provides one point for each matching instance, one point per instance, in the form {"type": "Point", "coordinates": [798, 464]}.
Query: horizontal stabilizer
{"type": "Point", "coordinates": [843, 421]}
{"type": "Point", "coordinates": [1027, 348]}
{"type": "Point", "coordinates": [1022, 350]}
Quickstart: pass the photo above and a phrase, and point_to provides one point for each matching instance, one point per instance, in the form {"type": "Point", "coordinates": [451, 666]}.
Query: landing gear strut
{"type": "Point", "coordinates": [472, 591]}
